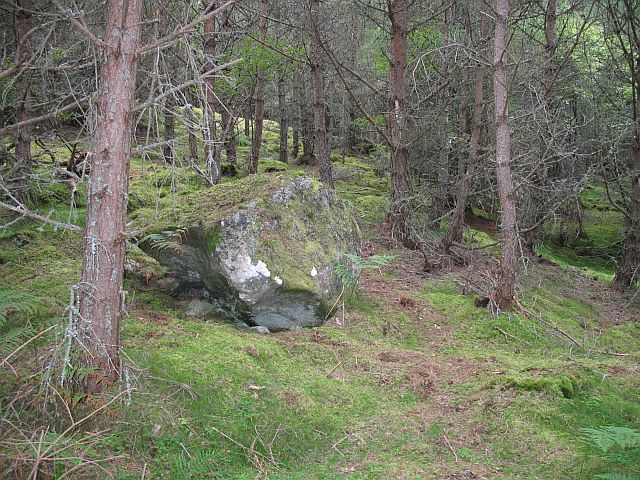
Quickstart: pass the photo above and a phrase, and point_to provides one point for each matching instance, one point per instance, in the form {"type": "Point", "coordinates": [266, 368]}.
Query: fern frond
{"type": "Point", "coordinates": [167, 240]}
{"type": "Point", "coordinates": [607, 437]}
{"type": "Point", "coordinates": [617, 476]}
{"type": "Point", "coordinates": [12, 301]}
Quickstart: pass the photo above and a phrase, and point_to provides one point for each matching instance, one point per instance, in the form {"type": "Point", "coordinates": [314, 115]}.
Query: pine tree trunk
{"type": "Point", "coordinates": [261, 82]}
{"type": "Point", "coordinates": [211, 153]}
{"type": "Point", "coordinates": [101, 294]}
{"type": "Point", "coordinates": [399, 214]}
{"type": "Point", "coordinates": [169, 133]}
{"type": "Point", "coordinates": [295, 148]}
{"type": "Point", "coordinates": [442, 188]}
{"type": "Point", "coordinates": [629, 269]}
{"type": "Point", "coordinates": [284, 122]}
{"type": "Point", "coordinates": [19, 180]}
{"type": "Point", "coordinates": [229, 137]}
{"type": "Point", "coordinates": [454, 231]}
{"type": "Point", "coordinates": [504, 293]}
{"type": "Point", "coordinates": [321, 140]}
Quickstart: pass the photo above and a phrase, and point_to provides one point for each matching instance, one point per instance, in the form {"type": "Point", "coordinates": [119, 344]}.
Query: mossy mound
{"type": "Point", "coordinates": [263, 250]}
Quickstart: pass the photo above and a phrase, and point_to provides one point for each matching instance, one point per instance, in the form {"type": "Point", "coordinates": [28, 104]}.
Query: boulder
{"type": "Point", "coordinates": [263, 250]}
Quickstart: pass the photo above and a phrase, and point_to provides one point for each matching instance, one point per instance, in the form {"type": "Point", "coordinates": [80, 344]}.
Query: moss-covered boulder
{"type": "Point", "coordinates": [262, 250]}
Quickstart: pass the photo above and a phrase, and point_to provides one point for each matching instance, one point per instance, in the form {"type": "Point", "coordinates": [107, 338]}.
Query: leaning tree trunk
{"type": "Point", "coordinates": [454, 232]}
{"type": "Point", "coordinates": [211, 153]}
{"type": "Point", "coordinates": [504, 292]}
{"type": "Point", "coordinates": [19, 179]}
{"type": "Point", "coordinates": [284, 122]}
{"type": "Point", "coordinates": [261, 84]}
{"type": "Point", "coordinates": [399, 214]}
{"type": "Point", "coordinates": [101, 295]}
{"type": "Point", "coordinates": [321, 139]}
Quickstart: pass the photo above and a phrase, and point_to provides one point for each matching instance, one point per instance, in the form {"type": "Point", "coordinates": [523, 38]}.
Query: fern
{"type": "Point", "coordinates": [12, 301]}
{"type": "Point", "coordinates": [351, 279]}
{"type": "Point", "coordinates": [617, 476]}
{"type": "Point", "coordinates": [167, 240]}
{"type": "Point", "coordinates": [186, 468]}
{"type": "Point", "coordinates": [607, 437]}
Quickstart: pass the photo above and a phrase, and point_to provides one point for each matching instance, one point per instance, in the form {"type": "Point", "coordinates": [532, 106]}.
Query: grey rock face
{"type": "Point", "coordinates": [270, 263]}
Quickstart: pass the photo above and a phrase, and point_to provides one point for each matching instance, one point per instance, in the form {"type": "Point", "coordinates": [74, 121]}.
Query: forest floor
{"type": "Point", "coordinates": [409, 380]}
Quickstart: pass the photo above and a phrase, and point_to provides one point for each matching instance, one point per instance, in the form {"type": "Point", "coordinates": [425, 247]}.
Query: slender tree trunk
{"type": "Point", "coordinates": [211, 153]}
{"type": "Point", "coordinates": [261, 84]}
{"type": "Point", "coordinates": [399, 214]}
{"type": "Point", "coordinates": [504, 293]}
{"type": "Point", "coordinates": [295, 148]}
{"type": "Point", "coordinates": [352, 129]}
{"type": "Point", "coordinates": [228, 137]}
{"type": "Point", "coordinates": [191, 122]}
{"type": "Point", "coordinates": [303, 115]}
{"type": "Point", "coordinates": [101, 295]}
{"type": "Point", "coordinates": [540, 179]}
{"type": "Point", "coordinates": [321, 138]}
{"type": "Point", "coordinates": [284, 122]}
{"type": "Point", "coordinates": [248, 113]}
{"type": "Point", "coordinates": [19, 176]}
{"type": "Point", "coordinates": [442, 190]}
{"type": "Point", "coordinates": [169, 133]}
{"type": "Point", "coordinates": [229, 123]}
{"type": "Point", "coordinates": [454, 232]}
{"type": "Point", "coordinates": [629, 267]}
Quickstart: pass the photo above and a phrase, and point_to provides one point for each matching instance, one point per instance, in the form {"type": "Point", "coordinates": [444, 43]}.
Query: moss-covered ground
{"type": "Point", "coordinates": [409, 380]}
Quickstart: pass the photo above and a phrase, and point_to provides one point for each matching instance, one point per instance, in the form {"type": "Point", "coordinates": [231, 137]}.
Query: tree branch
{"type": "Point", "coordinates": [182, 30]}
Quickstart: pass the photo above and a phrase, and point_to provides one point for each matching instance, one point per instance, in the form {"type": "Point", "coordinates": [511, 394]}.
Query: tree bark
{"type": "Point", "coordinates": [629, 268]}
{"type": "Point", "coordinates": [191, 122]}
{"type": "Point", "coordinates": [504, 292]}
{"type": "Point", "coordinates": [229, 123]}
{"type": "Point", "coordinates": [169, 133]}
{"type": "Point", "coordinates": [261, 84]}
{"type": "Point", "coordinates": [19, 180]}
{"type": "Point", "coordinates": [295, 147]}
{"type": "Point", "coordinates": [101, 295]}
{"type": "Point", "coordinates": [400, 211]}
{"type": "Point", "coordinates": [442, 188]}
{"type": "Point", "coordinates": [454, 232]}
{"type": "Point", "coordinates": [321, 138]}
{"type": "Point", "coordinates": [303, 115]}
{"type": "Point", "coordinates": [212, 154]}
{"type": "Point", "coordinates": [284, 122]}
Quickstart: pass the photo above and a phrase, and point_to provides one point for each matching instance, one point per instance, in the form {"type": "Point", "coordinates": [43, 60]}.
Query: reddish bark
{"type": "Point", "coordinates": [504, 292]}
{"type": "Point", "coordinates": [101, 294]}
{"type": "Point", "coordinates": [399, 214]}
{"type": "Point", "coordinates": [22, 168]}
{"type": "Point", "coordinates": [321, 139]}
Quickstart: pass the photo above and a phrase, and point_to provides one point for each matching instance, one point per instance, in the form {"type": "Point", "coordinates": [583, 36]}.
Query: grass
{"type": "Point", "coordinates": [430, 388]}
